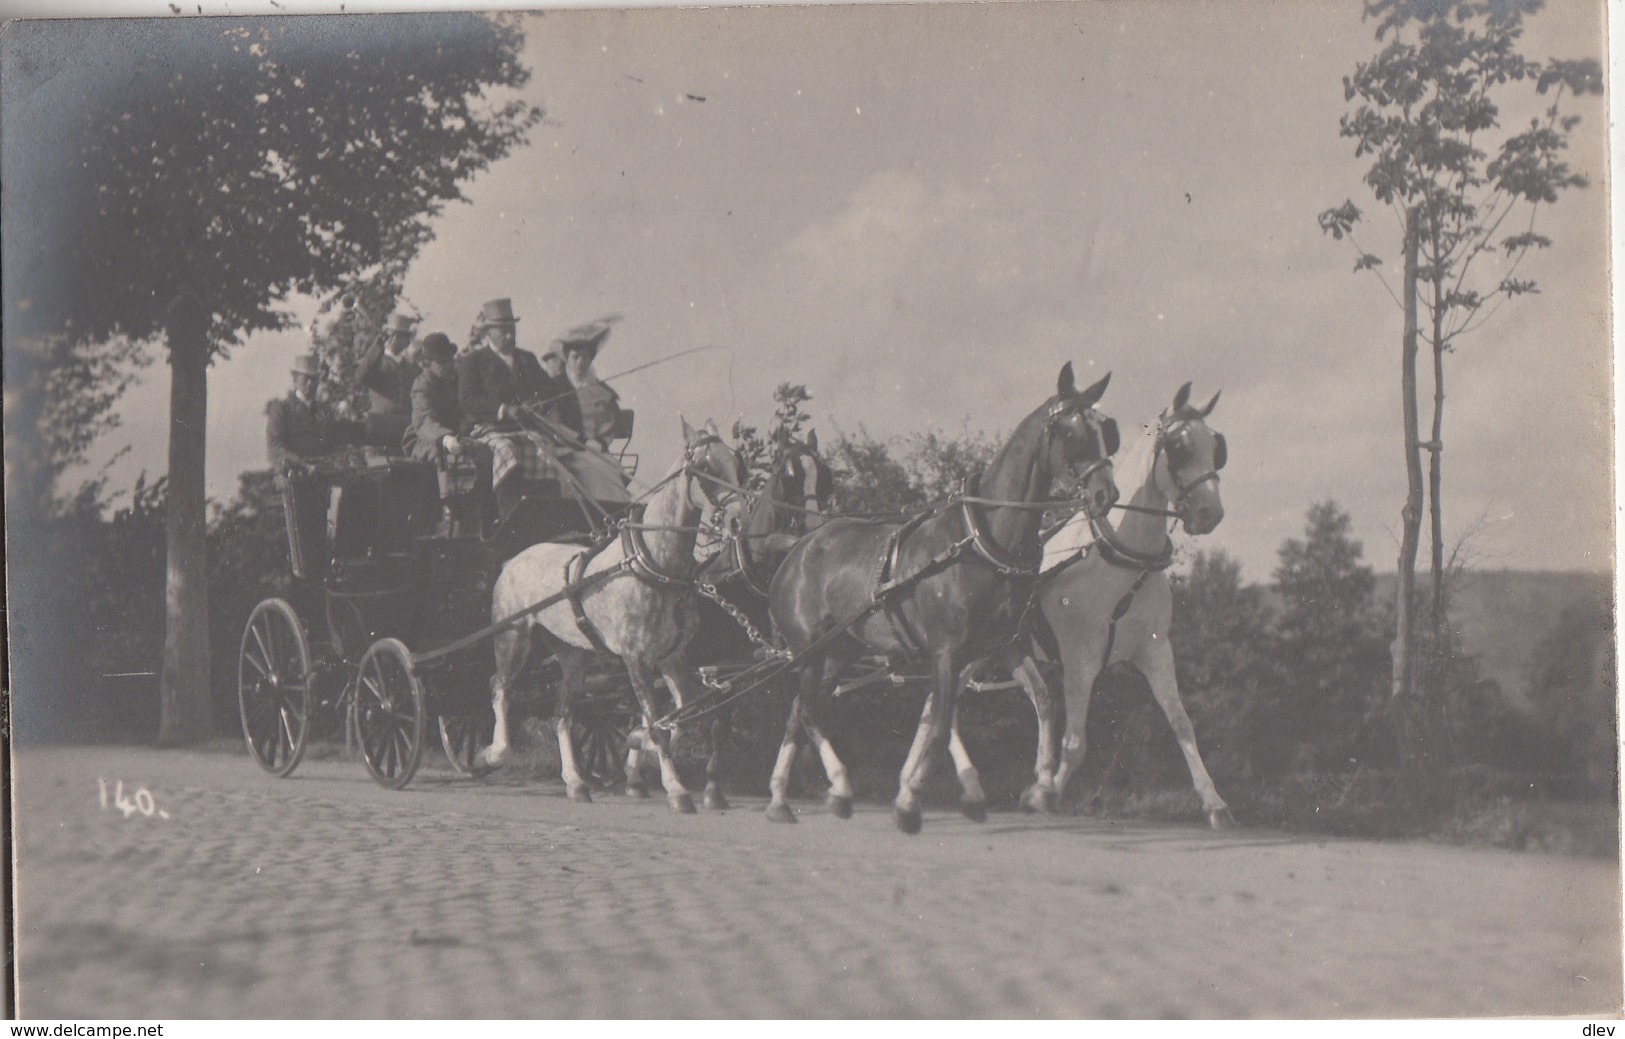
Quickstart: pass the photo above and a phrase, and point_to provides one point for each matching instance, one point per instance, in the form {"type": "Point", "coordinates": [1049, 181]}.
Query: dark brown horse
{"type": "Point", "coordinates": [938, 588]}
{"type": "Point", "coordinates": [758, 534]}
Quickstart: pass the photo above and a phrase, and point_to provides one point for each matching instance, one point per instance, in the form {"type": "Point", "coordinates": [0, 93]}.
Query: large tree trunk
{"type": "Point", "coordinates": [1435, 481]}
{"type": "Point", "coordinates": [184, 714]}
{"type": "Point", "coordinates": [1408, 712]}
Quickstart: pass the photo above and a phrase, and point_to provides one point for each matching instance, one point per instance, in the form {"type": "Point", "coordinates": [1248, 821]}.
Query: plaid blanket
{"type": "Point", "coordinates": [531, 456]}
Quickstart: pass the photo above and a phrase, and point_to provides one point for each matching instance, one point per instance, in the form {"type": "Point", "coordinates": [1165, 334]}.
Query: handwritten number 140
{"type": "Point", "coordinates": [140, 803]}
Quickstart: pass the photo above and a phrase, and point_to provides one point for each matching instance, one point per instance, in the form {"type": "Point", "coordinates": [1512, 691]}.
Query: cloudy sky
{"type": "Point", "coordinates": [922, 212]}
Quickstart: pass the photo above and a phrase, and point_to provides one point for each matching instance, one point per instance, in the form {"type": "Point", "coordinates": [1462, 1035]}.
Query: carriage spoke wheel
{"type": "Point", "coordinates": [389, 713]}
{"type": "Point", "coordinates": [274, 687]}
{"type": "Point", "coordinates": [598, 730]}
{"type": "Point", "coordinates": [462, 737]}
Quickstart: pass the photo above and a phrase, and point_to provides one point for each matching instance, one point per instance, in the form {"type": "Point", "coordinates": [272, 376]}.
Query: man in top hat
{"type": "Point", "coordinates": [299, 427]}
{"type": "Point", "coordinates": [496, 377]}
{"type": "Point", "coordinates": [600, 405]}
{"type": "Point", "coordinates": [388, 376]}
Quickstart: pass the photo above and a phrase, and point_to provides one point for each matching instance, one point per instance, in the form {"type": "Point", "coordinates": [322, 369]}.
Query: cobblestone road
{"type": "Point", "coordinates": [325, 896]}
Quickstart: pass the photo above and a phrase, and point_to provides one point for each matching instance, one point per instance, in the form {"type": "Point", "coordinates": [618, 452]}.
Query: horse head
{"type": "Point", "coordinates": [1189, 457]}
{"type": "Point", "coordinates": [713, 471]}
{"type": "Point", "coordinates": [1081, 441]}
{"type": "Point", "coordinates": [800, 479]}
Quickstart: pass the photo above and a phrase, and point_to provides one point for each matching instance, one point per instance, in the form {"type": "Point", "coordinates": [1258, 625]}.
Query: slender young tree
{"type": "Point", "coordinates": [187, 177]}
{"type": "Point", "coordinates": [1465, 195]}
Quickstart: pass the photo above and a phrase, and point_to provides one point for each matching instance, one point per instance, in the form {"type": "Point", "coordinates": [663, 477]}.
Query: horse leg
{"type": "Point", "coordinates": [721, 729]}
{"type": "Point", "coordinates": [934, 717]}
{"type": "Point", "coordinates": [778, 785]}
{"type": "Point", "coordinates": [677, 796]}
{"type": "Point", "coordinates": [1040, 797]}
{"type": "Point", "coordinates": [1156, 661]}
{"type": "Point", "coordinates": [680, 677]}
{"type": "Point", "coordinates": [840, 797]}
{"type": "Point", "coordinates": [1080, 671]}
{"type": "Point", "coordinates": [511, 648]}
{"type": "Point", "coordinates": [637, 745]}
{"type": "Point", "coordinates": [972, 798]}
{"type": "Point", "coordinates": [573, 678]}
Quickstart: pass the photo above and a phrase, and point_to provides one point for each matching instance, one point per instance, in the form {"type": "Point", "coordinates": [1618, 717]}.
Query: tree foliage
{"type": "Point", "coordinates": [236, 162]}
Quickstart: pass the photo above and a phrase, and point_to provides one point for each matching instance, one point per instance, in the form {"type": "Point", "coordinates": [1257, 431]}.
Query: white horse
{"type": "Point", "coordinates": [632, 598]}
{"type": "Point", "coordinates": [1105, 595]}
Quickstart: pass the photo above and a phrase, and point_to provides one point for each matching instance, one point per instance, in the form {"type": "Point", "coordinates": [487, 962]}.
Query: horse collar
{"type": "Point", "coordinates": [1000, 560]}
{"type": "Point", "coordinates": [1120, 555]}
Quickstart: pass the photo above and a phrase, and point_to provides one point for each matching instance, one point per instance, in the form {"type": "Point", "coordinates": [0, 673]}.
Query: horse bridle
{"type": "Point", "coordinates": [691, 461]}
{"type": "Point", "coordinates": [1108, 440]}
{"type": "Point", "coordinates": [1177, 432]}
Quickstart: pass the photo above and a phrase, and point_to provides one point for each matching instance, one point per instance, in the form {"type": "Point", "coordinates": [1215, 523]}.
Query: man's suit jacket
{"type": "Point", "coordinates": [295, 430]}
{"type": "Point", "coordinates": [436, 414]}
{"type": "Point", "coordinates": [485, 382]}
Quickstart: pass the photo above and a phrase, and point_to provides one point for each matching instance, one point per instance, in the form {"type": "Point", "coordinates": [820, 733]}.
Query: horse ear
{"type": "Point", "coordinates": [711, 428]}
{"type": "Point", "coordinates": [1097, 391]}
{"type": "Point", "coordinates": [812, 441]}
{"type": "Point", "coordinates": [688, 430]}
{"type": "Point", "coordinates": [1064, 385]}
{"type": "Point", "coordinates": [1182, 398]}
{"type": "Point", "coordinates": [1209, 409]}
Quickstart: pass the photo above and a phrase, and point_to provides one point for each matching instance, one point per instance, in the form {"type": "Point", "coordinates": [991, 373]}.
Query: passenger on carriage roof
{"type": "Point", "coordinates": [560, 397]}
{"type": "Point", "coordinates": [433, 435]}
{"type": "Point", "coordinates": [437, 421]}
{"type": "Point", "coordinates": [300, 427]}
{"type": "Point", "coordinates": [600, 405]}
{"type": "Point", "coordinates": [388, 376]}
{"type": "Point", "coordinates": [496, 377]}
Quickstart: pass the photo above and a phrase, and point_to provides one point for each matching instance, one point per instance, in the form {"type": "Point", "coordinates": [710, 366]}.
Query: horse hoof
{"type": "Point", "coordinates": [682, 804]}
{"type": "Point", "coordinates": [975, 811]}
{"type": "Point", "coordinates": [908, 820]}
{"type": "Point", "coordinates": [580, 794]}
{"type": "Point", "coordinates": [1040, 802]}
{"type": "Point", "coordinates": [1221, 819]}
{"type": "Point", "coordinates": [840, 807]}
{"type": "Point", "coordinates": [780, 814]}
{"type": "Point", "coordinates": [714, 801]}
{"type": "Point", "coordinates": [480, 769]}
{"type": "Point", "coordinates": [637, 790]}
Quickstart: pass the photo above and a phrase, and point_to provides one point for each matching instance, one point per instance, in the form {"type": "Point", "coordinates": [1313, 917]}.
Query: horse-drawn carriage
{"type": "Point", "coordinates": [941, 589]}
{"type": "Point", "coordinates": [384, 629]}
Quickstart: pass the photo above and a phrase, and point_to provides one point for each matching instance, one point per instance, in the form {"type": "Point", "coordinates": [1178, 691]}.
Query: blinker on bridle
{"type": "Point", "coordinates": [691, 459]}
{"type": "Point", "coordinates": [1172, 440]}
{"type": "Point", "coordinates": [1108, 440]}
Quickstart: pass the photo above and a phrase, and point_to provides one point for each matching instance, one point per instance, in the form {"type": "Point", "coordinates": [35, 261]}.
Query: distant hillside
{"type": "Point", "coordinates": [1503, 614]}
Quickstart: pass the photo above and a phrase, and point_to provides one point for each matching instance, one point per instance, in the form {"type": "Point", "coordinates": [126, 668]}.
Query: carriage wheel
{"type": "Point", "coordinates": [274, 687]}
{"type": "Point", "coordinates": [462, 737]}
{"type": "Point", "coordinates": [598, 729]}
{"type": "Point", "coordinates": [389, 713]}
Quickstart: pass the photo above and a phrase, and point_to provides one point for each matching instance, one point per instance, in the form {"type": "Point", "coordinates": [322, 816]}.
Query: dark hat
{"type": "Point", "coordinates": [307, 364]}
{"type": "Point", "coordinates": [402, 323]}
{"type": "Point", "coordinates": [438, 345]}
{"type": "Point", "coordinates": [496, 312]}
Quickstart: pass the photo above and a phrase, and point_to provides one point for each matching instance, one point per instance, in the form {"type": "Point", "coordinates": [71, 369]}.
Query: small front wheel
{"type": "Point", "coordinates": [389, 713]}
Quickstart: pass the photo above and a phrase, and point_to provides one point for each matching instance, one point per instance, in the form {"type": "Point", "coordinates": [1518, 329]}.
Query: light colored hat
{"type": "Point", "coordinates": [496, 312]}
{"type": "Point", "coordinates": [585, 338]}
{"type": "Point", "coordinates": [403, 323]}
{"type": "Point", "coordinates": [307, 364]}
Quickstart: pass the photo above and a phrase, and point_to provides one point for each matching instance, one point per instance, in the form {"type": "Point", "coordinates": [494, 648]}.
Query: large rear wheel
{"type": "Point", "coordinates": [274, 687]}
{"type": "Point", "coordinates": [389, 713]}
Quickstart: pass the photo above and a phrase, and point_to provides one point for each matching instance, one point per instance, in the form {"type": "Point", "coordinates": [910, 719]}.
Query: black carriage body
{"type": "Point", "coordinates": [392, 604]}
